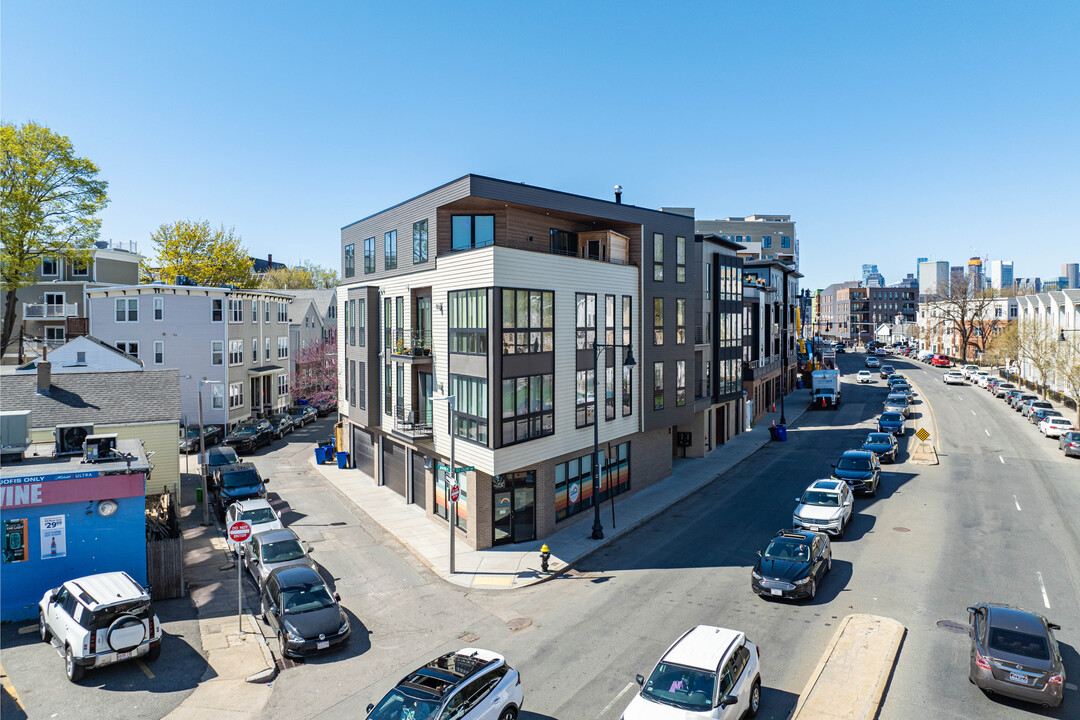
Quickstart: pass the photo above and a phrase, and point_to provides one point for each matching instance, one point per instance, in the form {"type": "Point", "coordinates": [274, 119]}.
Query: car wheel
{"type": "Point", "coordinates": [813, 589]}
{"type": "Point", "coordinates": [155, 652]}
{"type": "Point", "coordinates": [755, 699]}
{"type": "Point", "coordinates": [281, 644]}
{"type": "Point", "coordinates": [43, 629]}
{"type": "Point", "coordinates": [840, 530]}
{"type": "Point", "coordinates": [873, 490]}
{"type": "Point", "coordinates": [508, 713]}
{"type": "Point", "coordinates": [828, 565]}
{"type": "Point", "coordinates": [73, 670]}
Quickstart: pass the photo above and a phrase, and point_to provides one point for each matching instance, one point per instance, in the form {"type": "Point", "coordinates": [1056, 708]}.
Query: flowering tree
{"type": "Point", "coordinates": [316, 374]}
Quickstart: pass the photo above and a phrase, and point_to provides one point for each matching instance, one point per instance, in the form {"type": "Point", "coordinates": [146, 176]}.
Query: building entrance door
{"type": "Point", "coordinates": [513, 508]}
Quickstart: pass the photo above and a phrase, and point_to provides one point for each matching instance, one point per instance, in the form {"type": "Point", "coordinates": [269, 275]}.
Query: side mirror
{"type": "Point", "coordinates": [728, 700]}
{"type": "Point", "coordinates": [1053, 626]}
{"type": "Point", "coordinates": [308, 548]}
{"type": "Point", "coordinates": [253, 560]}
{"type": "Point", "coordinates": [273, 609]}
{"type": "Point", "coordinates": [370, 707]}
{"type": "Point", "coordinates": [759, 554]}
{"type": "Point", "coordinates": [266, 481]}
{"type": "Point", "coordinates": [640, 680]}
{"type": "Point", "coordinates": [337, 596]}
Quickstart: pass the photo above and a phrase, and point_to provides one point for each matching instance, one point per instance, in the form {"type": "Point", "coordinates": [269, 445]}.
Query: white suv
{"type": "Point", "coordinates": [826, 506]}
{"type": "Point", "coordinates": [709, 672]}
{"type": "Point", "coordinates": [953, 377]}
{"type": "Point", "coordinates": [99, 620]}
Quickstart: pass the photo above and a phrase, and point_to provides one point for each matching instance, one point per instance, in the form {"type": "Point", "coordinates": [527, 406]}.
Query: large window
{"type": "Point", "coordinates": [130, 347]}
{"type": "Point", "coordinates": [350, 260]}
{"type": "Point", "coordinates": [528, 321]}
{"type": "Point", "coordinates": [50, 266]}
{"type": "Point", "coordinates": [472, 231]}
{"type": "Point", "coordinates": [420, 241]}
{"type": "Point", "coordinates": [785, 241]}
{"type": "Point", "coordinates": [236, 395]}
{"type": "Point", "coordinates": [574, 482]}
{"type": "Point", "coordinates": [282, 384]}
{"type": "Point", "coordinates": [442, 500]}
{"type": "Point", "coordinates": [369, 255]}
{"type": "Point", "coordinates": [680, 321]}
{"type": "Point", "coordinates": [127, 310]}
{"type": "Point", "coordinates": [586, 320]}
{"type": "Point", "coordinates": [658, 257]}
{"type": "Point", "coordinates": [282, 311]}
{"type": "Point", "coordinates": [527, 408]}
{"type": "Point", "coordinates": [236, 311]}
{"type": "Point", "coordinates": [236, 352]}
{"type": "Point", "coordinates": [563, 242]}
{"type": "Point", "coordinates": [680, 259]}
{"type": "Point", "coordinates": [470, 419]}
{"type": "Point", "coordinates": [585, 393]}
{"type": "Point", "coordinates": [658, 321]}
{"type": "Point", "coordinates": [468, 322]}
{"type": "Point", "coordinates": [282, 347]}
{"type": "Point", "coordinates": [680, 382]}
{"type": "Point", "coordinates": [390, 250]}
{"type": "Point", "coordinates": [658, 386]}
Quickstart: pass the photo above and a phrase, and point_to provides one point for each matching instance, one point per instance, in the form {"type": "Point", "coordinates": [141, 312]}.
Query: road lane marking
{"type": "Point", "coordinates": [615, 699]}
{"type": "Point", "coordinates": [1046, 600]}
{"type": "Point", "coordinates": [1017, 502]}
{"type": "Point", "coordinates": [145, 669]}
{"type": "Point", "coordinates": [972, 412]}
{"type": "Point", "coordinates": [6, 682]}
{"type": "Point", "coordinates": [1001, 459]}
{"type": "Point", "coordinates": [27, 629]}
{"type": "Point", "coordinates": [987, 432]}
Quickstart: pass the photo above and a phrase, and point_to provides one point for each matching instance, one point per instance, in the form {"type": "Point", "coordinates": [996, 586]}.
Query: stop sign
{"type": "Point", "coordinates": [455, 492]}
{"type": "Point", "coordinates": [239, 531]}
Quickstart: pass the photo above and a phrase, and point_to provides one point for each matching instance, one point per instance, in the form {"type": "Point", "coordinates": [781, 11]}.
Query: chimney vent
{"type": "Point", "coordinates": [270, 259]}
{"type": "Point", "coordinates": [618, 194]}
{"type": "Point", "coordinates": [44, 377]}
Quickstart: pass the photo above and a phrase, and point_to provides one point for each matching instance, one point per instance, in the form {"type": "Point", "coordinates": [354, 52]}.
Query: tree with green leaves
{"type": "Point", "coordinates": [50, 199]}
{"type": "Point", "coordinates": [301, 277]}
{"type": "Point", "coordinates": [196, 250]}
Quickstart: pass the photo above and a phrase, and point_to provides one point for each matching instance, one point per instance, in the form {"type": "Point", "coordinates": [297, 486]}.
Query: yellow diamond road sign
{"type": "Point", "coordinates": [922, 434]}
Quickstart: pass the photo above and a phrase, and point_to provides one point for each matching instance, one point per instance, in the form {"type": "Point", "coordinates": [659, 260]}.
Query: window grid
{"type": "Point", "coordinates": [127, 310]}
{"type": "Point", "coordinates": [420, 241]}
{"type": "Point", "coordinates": [527, 408]}
{"type": "Point", "coordinates": [528, 321]}
{"type": "Point", "coordinates": [658, 386]}
{"type": "Point", "coordinates": [390, 250]}
{"type": "Point", "coordinates": [585, 304]}
{"type": "Point", "coordinates": [574, 485]}
{"type": "Point", "coordinates": [470, 418]}
{"type": "Point", "coordinates": [658, 257]}
{"type": "Point", "coordinates": [468, 322]}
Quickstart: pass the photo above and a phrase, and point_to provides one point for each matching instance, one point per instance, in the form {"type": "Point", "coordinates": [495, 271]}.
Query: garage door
{"type": "Point", "coordinates": [394, 466]}
{"type": "Point", "coordinates": [419, 475]}
{"type": "Point", "coordinates": [363, 451]}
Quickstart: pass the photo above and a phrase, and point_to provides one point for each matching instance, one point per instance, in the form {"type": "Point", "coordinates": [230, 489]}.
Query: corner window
{"type": "Point", "coordinates": [585, 305]}
{"type": "Point", "coordinates": [658, 321]}
{"type": "Point", "coordinates": [472, 231]}
{"type": "Point", "coordinates": [658, 257]}
{"type": "Point", "coordinates": [528, 321]}
{"type": "Point", "coordinates": [420, 242]}
{"type": "Point", "coordinates": [390, 250]}
{"type": "Point", "coordinates": [369, 255]}
{"type": "Point", "coordinates": [658, 386]}
{"type": "Point", "coordinates": [470, 416]}
{"type": "Point", "coordinates": [50, 266]}
{"type": "Point", "coordinates": [350, 260]}
{"type": "Point", "coordinates": [680, 259]}
{"type": "Point", "coordinates": [527, 408]}
{"type": "Point", "coordinates": [785, 241]}
{"type": "Point", "coordinates": [468, 322]}
{"type": "Point", "coordinates": [127, 310]}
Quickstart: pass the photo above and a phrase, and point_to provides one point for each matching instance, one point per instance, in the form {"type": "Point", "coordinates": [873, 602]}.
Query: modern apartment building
{"type": "Point", "coordinates": [498, 304]}
{"type": "Point", "coordinates": [763, 237]}
{"type": "Point", "coordinates": [770, 362]}
{"type": "Point", "coordinates": [1001, 274]}
{"type": "Point", "coordinates": [933, 276]}
{"type": "Point", "coordinates": [53, 308]}
{"type": "Point", "coordinates": [236, 340]}
{"type": "Point", "coordinates": [834, 310]}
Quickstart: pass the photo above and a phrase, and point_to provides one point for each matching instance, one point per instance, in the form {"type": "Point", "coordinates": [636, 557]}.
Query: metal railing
{"type": "Point", "coordinates": [50, 310]}
{"type": "Point", "coordinates": [413, 343]}
{"type": "Point", "coordinates": [704, 388]}
{"type": "Point", "coordinates": [571, 253]}
{"type": "Point", "coordinates": [409, 422]}
{"type": "Point", "coordinates": [130, 246]}
{"type": "Point", "coordinates": [701, 335]}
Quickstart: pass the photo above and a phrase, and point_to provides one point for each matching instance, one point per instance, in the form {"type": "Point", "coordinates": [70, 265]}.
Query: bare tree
{"type": "Point", "coordinates": [965, 311]}
{"type": "Point", "coordinates": [1040, 348]}
{"type": "Point", "coordinates": [1067, 367]}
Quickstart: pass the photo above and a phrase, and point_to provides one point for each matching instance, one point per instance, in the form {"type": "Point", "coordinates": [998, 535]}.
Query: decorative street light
{"type": "Point", "coordinates": [597, 528]}
{"type": "Point", "coordinates": [1061, 335]}
{"type": "Point", "coordinates": [451, 505]}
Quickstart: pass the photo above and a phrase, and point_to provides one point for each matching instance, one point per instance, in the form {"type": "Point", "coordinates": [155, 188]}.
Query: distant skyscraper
{"type": "Point", "coordinates": [933, 276]}
{"type": "Point", "coordinates": [918, 262]}
{"type": "Point", "coordinates": [956, 275]}
{"type": "Point", "coordinates": [975, 272]}
{"type": "Point", "coordinates": [871, 277]}
{"type": "Point", "coordinates": [1071, 271]}
{"type": "Point", "coordinates": [1001, 274]}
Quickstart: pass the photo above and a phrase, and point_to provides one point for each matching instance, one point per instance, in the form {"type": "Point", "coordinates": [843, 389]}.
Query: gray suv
{"type": "Point", "coordinates": [1014, 653]}
{"type": "Point", "coordinates": [275, 549]}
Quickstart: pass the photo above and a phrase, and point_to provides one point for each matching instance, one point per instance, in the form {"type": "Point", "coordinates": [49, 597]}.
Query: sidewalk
{"type": "Point", "coordinates": [210, 573]}
{"type": "Point", "coordinates": [519, 565]}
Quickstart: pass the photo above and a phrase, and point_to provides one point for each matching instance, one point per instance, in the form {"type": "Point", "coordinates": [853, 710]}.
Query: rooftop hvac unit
{"type": "Point", "coordinates": [14, 435]}
{"type": "Point", "coordinates": [69, 438]}
{"type": "Point", "coordinates": [100, 448]}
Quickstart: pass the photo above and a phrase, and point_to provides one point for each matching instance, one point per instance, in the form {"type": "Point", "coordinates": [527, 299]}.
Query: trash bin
{"type": "Point", "coordinates": [781, 432]}
{"type": "Point", "coordinates": [320, 454]}
{"type": "Point", "coordinates": [343, 460]}
{"type": "Point", "coordinates": [772, 433]}
{"type": "Point", "coordinates": [798, 383]}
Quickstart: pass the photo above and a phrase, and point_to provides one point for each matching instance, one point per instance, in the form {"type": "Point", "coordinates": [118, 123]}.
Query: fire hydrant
{"type": "Point", "coordinates": [545, 555]}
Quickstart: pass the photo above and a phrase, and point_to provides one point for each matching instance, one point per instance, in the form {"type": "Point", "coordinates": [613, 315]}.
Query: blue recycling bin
{"type": "Point", "coordinates": [343, 460]}
{"type": "Point", "coordinates": [320, 454]}
{"type": "Point", "coordinates": [781, 432]}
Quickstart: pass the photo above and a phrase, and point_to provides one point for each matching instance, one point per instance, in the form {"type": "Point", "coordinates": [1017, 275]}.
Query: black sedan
{"type": "Point", "coordinates": [250, 436]}
{"type": "Point", "coordinates": [881, 444]}
{"type": "Point", "coordinates": [860, 469]}
{"type": "Point", "coordinates": [297, 605]}
{"type": "Point", "coordinates": [886, 371]}
{"type": "Point", "coordinates": [792, 565]}
{"type": "Point", "coordinates": [283, 424]}
{"type": "Point", "coordinates": [1014, 653]}
{"type": "Point", "coordinates": [302, 415]}
{"type": "Point", "coordinates": [189, 437]}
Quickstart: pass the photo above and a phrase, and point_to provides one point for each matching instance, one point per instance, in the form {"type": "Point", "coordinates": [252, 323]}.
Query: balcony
{"type": "Point", "coordinates": [47, 311]}
{"type": "Point", "coordinates": [412, 345]}
{"type": "Point", "coordinates": [701, 335]}
{"type": "Point", "coordinates": [409, 424]}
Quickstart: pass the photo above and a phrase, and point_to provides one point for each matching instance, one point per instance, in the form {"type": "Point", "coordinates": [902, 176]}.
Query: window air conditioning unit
{"type": "Point", "coordinates": [100, 448]}
{"type": "Point", "coordinates": [69, 438]}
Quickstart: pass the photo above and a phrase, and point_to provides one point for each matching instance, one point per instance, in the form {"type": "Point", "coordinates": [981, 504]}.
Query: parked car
{"type": "Point", "coordinates": [1014, 653]}
{"type": "Point", "coordinates": [322, 407]}
{"type": "Point", "coordinates": [886, 371]}
{"type": "Point", "coordinates": [275, 549]}
{"type": "Point", "coordinates": [1070, 443]}
{"type": "Point", "coordinates": [1035, 405]}
{"type": "Point", "coordinates": [470, 684]}
{"type": "Point", "coordinates": [1040, 414]}
{"type": "Point", "coordinates": [1001, 388]}
{"type": "Point", "coordinates": [895, 378]}
{"type": "Point", "coordinates": [872, 362]}
{"type": "Point", "coordinates": [1011, 395]}
{"type": "Point", "coordinates": [793, 564]}
{"type": "Point", "coordinates": [980, 378]}
{"type": "Point", "coordinates": [991, 384]}
{"type": "Point", "coordinates": [953, 377]}
{"type": "Point", "coordinates": [883, 445]}
{"type": "Point", "coordinates": [1020, 399]}
{"type": "Point", "coordinates": [941, 361]}
{"type": "Point", "coordinates": [250, 436]}
{"type": "Point", "coordinates": [892, 422]}
{"type": "Point", "coordinates": [904, 389]}
{"type": "Point", "coordinates": [189, 437]}
{"type": "Point", "coordinates": [217, 458]}
{"type": "Point", "coordinates": [99, 620]}
{"type": "Point", "coordinates": [237, 482]}
{"type": "Point", "coordinates": [282, 424]}
{"type": "Point", "coordinates": [708, 672]}
{"type": "Point", "coordinates": [969, 370]}
{"type": "Point", "coordinates": [302, 415]}
{"type": "Point", "coordinates": [864, 376]}
{"type": "Point", "coordinates": [860, 469]}
{"type": "Point", "coordinates": [898, 402]}
{"type": "Point", "coordinates": [300, 609]}
{"type": "Point", "coordinates": [826, 506]}
{"type": "Point", "coordinates": [256, 512]}
{"type": "Point", "coordinates": [1053, 427]}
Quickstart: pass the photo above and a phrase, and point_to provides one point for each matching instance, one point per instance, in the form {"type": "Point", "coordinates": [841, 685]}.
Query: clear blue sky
{"type": "Point", "coordinates": [888, 130]}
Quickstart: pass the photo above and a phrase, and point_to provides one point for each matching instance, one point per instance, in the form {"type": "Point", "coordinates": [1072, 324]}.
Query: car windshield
{"type": "Point", "coordinates": [305, 599]}
{"type": "Point", "coordinates": [282, 551]}
{"type": "Point", "coordinates": [788, 549]}
{"type": "Point", "coordinates": [281, 418]}
{"type": "Point", "coordinates": [239, 478]}
{"type": "Point", "coordinates": [1058, 421]}
{"type": "Point", "coordinates": [399, 706]}
{"type": "Point", "coordinates": [258, 516]}
{"type": "Point", "coordinates": [1018, 643]}
{"type": "Point", "coordinates": [887, 368]}
{"type": "Point", "coordinates": [193, 432]}
{"type": "Point", "coordinates": [898, 399]}
{"type": "Point", "coordinates": [879, 439]}
{"type": "Point", "coordinates": [891, 417]}
{"type": "Point", "coordinates": [218, 457]}
{"type": "Point", "coordinates": [853, 463]}
{"type": "Point", "coordinates": [244, 430]}
{"type": "Point", "coordinates": [681, 687]}
{"type": "Point", "coordinates": [818, 497]}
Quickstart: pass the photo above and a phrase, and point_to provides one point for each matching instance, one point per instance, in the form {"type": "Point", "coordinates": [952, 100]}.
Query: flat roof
{"type": "Point", "coordinates": [704, 647]}
{"type": "Point", "coordinates": [45, 464]}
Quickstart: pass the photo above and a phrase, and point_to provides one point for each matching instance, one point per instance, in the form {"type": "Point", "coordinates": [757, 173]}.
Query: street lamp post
{"type": "Point", "coordinates": [451, 505]}
{"type": "Point", "coordinates": [202, 453]}
{"type": "Point", "coordinates": [597, 528]}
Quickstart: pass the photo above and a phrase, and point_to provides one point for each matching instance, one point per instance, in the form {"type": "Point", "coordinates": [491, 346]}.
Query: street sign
{"type": "Point", "coordinates": [464, 468]}
{"type": "Point", "coordinates": [455, 492]}
{"type": "Point", "coordinates": [922, 434]}
{"type": "Point", "coordinates": [239, 531]}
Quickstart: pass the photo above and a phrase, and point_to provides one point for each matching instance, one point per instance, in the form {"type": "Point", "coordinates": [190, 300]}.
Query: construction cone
{"type": "Point", "coordinates": [773, 407]}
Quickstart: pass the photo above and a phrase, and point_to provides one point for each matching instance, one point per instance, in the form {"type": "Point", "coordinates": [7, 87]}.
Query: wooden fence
{"type": "Point", "coordinates": [165, 567]}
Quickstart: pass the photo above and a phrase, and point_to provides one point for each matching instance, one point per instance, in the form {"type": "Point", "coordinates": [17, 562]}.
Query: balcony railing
{"type": "Point", "coordinates": [412, 343]}
{"type": "Point", "coordinates": [704, 388]}
{"type": "Point", "coordinates": [410, 423]}
{"type": "Point", "coordinates": [129, 246]}
{"type": "Point", "coordinates": [50, 310]}
{"type": "Point", "coordinates": [701, 335]}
